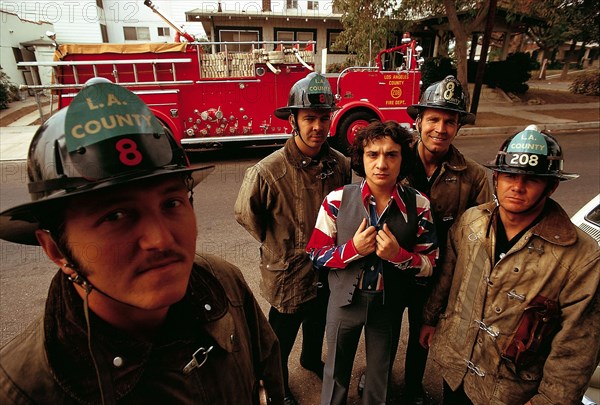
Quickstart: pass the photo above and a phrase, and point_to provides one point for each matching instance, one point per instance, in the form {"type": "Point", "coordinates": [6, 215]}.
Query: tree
{"type": "Point", "coordinates": [583, 21]}
{"type": "Point", "coordinates": [472, 19]}
{"type": "Point", "coordinates": [566, 21]}
{"type": "Point", "coordinates": [368, 25]}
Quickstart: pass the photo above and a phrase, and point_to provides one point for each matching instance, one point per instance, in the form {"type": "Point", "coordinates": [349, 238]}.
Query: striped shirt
{"type": "Point", "coordinates": [324, 252]}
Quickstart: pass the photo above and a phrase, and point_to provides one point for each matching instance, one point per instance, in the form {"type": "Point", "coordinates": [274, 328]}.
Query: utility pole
{"type": "Point", "coordinates": [489, 26]}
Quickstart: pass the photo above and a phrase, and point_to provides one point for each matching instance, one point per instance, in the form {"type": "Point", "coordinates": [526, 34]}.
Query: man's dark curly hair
{"type": "Point", "coordinates": [377, 130]}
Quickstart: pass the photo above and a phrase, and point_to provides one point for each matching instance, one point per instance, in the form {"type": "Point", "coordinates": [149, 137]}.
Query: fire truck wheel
{"type": "Point", "coordinates": [168, 130]}
{"type": "Point", "coordinates": [348, 127]}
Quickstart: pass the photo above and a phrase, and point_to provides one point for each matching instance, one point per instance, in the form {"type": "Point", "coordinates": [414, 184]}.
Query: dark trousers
{"type": "Point", "coordinates": [344, 327]}
{"type": "Point", "coordinates": [416, 355]}
{"type": "Point", "coordinates": [311, 316]}
{"type": "Point", "coordinates": [457, 397]}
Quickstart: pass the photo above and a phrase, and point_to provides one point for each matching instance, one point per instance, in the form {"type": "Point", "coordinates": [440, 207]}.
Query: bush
{"type": "Point", "coordinates": [338, 67]}
{"type": "Point", "coordinates": [512, 74]}
{"type": "Point", "coordinates": [587, 83]}
{"type": "Point", "coordinates": [436, 69]}
{"type": "Point", "coordinates": [8, 91]}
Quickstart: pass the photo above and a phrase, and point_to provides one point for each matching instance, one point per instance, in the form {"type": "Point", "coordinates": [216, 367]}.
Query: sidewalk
{"type": "Point", "coordinates": [22, 117]}
{"type": "Point", "coordinates": [497, 114]}
{"type": "Point", "coordinates": [509, 116]}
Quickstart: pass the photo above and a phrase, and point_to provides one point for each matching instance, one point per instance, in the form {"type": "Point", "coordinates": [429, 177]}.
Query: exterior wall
{"type": "Point", "coordinates": [45, 54]}
{"type": "Point", "coordinates": [121, 14]}
{"type": "Point", "coordinates": [73, 21]}
{"type": "Point", "coordinates": [13, 31]}
{"type": "Point", "coordinates": [80, 21]}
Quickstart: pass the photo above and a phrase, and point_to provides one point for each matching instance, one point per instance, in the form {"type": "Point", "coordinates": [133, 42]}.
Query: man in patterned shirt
{"type": "Point", "coordinates": [374, 236]}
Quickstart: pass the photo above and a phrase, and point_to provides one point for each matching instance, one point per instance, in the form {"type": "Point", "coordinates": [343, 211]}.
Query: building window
{"type": "Point", "coordinates": [291, 4]}
{"type": "Point", "coordinates": [302, 36]}
{"type": "Point", "coordinates": [104, 33]}
{"type": "Point", "coordinates": [332, 36]}
{"type": "Point", "coordinates": [136, 33]}
{"type": "Point", "coordinates": [229, 35]}
{"type": "Point", "coordinates": [285, 36]}
{"type": "Point", "coordinates": [164, 32]}
{"type": "Point", "coordinates": [18, 57]}
{"type": "Point", "coordinates": [312, 5]}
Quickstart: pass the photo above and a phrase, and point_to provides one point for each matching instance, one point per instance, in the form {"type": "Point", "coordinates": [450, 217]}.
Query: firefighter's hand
{"type": "Point", "coordinates": [364, 239]}
{"type": "Point", "coordinates": [426, 335]}
{"type": "Point", "coordinates": [387, 245]}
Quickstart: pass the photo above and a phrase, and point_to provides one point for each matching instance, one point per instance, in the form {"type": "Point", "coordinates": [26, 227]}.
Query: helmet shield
{"type": "Point", "coordinates": [531, 152]}
{"type": "Point", "coordinates": [109, 131]}
{"type": "Point", "coordinates": [106, 136]}
{"type": "Point", "coordinates": [312, 92]}
{"type": "Point", "coordinates": [444, 95]}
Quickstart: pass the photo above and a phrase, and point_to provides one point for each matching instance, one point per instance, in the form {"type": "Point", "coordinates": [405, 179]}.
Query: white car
{"type": "Point", "coordinates": [588, 220]}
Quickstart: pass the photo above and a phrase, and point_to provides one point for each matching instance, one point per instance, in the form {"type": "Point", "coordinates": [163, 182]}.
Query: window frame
{"type": "Point", "coordinates": [295, 31]}
{"type": "Point", "coordinates": [137, 33]}
{"type": "Point", "coordinates": [166, 31]}
{"type": "Point", "coordinates": [330, 32]}
{"type": "Point", "coordinates": [241, 48]}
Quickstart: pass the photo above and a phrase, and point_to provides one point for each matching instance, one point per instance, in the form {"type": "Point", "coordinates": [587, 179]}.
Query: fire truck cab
{"type": "Point", "coordinates": [209, 94]}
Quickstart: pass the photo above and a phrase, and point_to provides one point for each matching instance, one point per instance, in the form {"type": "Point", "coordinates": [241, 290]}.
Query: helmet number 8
{"type": "Point", "coordinates": [449, 93]}
{"type": "Point", "coordinates": [524, 159]}
{"type": "Point", "coordinates": [129, 155]}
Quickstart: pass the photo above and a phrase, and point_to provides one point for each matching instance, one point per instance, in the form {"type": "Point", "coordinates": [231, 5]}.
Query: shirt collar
{"type": "Point", "coordinates": [366, 195]}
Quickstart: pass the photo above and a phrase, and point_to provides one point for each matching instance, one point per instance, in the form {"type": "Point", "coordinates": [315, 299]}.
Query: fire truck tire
{"type": "Point", "coordinates": [167, 129]}
{"type": "Point", "coordinates": [348, 127]}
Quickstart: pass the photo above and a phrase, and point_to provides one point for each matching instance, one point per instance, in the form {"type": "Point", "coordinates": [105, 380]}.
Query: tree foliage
{"type": "Point", "coordinates": [375, 20]}
{"type": "Point", "coordinates": [368, 25]}
{"type": "Point", "coordinates": [472, 19]}
{"type": "Point", "coordinates": [566, 21]}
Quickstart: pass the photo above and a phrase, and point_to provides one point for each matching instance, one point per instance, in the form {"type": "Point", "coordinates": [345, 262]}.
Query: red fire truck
{"type": "Point", "coordinates": [209, 94]}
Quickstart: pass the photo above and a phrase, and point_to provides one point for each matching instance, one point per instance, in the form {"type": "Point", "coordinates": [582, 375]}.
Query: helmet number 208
{"type": "Point", "coordinates": [524, 159]}
{"type": "Point", "coordinates": [129, 155]}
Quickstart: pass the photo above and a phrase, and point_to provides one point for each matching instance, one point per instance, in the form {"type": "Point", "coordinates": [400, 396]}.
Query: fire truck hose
{"type": "Point", "coordinates": [302, 61]}
{"type": "Point", "coordinates": [273, 68]}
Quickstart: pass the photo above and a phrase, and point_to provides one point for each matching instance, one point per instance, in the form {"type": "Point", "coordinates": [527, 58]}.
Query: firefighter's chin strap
{"type": "Point", "coordinates": [328, 167]}
{"type": "Point", "coordinates": [80, 280]}
{"type": "Point", "coordinates": [542, 196]}
{"type": "Point", "coordinates": [296, 132]}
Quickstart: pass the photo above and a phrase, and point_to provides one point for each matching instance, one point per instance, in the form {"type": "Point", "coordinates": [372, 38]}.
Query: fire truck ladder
{"type": "Point", "coordinates": [135, 63]}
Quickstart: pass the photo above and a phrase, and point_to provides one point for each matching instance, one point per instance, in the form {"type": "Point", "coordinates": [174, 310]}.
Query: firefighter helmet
{"type": "Point", "coordinates": [531, 152]}
{"type": "Point", "coordinates": [107, 136]}
{"type": "Point", "coordinates": [313, 91]}
{"type": "Point", "coordinates": [444, 95]}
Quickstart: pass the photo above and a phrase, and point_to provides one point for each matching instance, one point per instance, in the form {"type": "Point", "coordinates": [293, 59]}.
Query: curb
{"type": "Point", "coordinates": [509, 130]}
